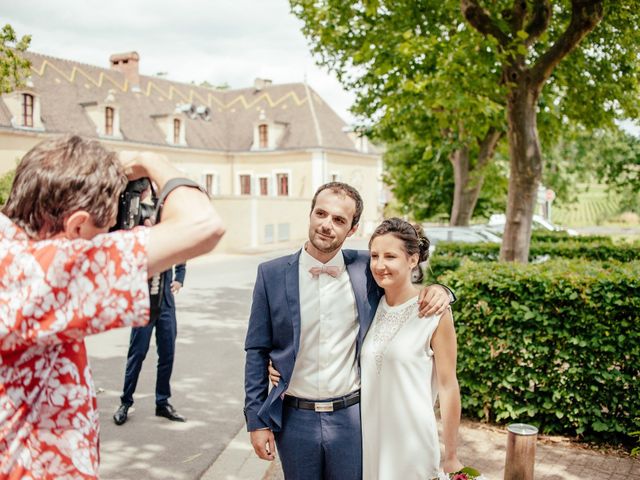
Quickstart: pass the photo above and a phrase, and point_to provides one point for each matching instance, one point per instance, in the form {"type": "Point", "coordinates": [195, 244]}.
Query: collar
{"type": "Point", "coordinates": [307, 261]}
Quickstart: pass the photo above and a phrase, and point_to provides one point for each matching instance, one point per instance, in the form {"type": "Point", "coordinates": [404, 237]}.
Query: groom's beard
{"type": "Point", "coordinates": [323, 244]}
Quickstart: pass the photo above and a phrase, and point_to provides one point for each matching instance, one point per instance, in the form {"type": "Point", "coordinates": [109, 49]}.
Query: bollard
{"type": "Point", "coordinates": [521, 452]}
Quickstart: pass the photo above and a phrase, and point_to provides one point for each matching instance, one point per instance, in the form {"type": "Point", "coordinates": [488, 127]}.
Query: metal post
{"type": "Point", "coordinates": [521, 452]}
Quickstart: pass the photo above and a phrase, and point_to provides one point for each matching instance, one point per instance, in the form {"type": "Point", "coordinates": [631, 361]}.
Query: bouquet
{"type": "Point", "coordinates": [467, 473]}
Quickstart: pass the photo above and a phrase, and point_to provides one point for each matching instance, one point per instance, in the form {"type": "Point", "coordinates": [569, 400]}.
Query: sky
{"type": "Point", "coordinates": [218, 41]}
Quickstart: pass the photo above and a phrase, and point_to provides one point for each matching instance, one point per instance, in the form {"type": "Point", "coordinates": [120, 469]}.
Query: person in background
{"type": "Point", "coordinates": [166, 330]}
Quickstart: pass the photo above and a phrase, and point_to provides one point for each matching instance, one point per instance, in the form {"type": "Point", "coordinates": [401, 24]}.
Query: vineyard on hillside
{"type": "Point", "coordinates": [594, 206]}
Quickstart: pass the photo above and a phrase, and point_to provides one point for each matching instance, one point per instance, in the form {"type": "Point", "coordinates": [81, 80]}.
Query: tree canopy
{"type": "Point", "coordinates": [14, 68]}
{"type": "Point", "coordinates": [450, 71]}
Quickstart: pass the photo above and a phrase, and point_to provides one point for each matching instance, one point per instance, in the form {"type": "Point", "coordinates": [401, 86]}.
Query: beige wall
{"type": "Point", "coordinates": [248, 219]}
{"type": "Point", "coordinates": [363, 172]}
{"type": "Point", "coordinates": [13, 146]}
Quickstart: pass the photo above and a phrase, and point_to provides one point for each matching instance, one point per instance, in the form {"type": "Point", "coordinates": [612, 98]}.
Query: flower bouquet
{"type": "Point", "coordinates": [467, 473]}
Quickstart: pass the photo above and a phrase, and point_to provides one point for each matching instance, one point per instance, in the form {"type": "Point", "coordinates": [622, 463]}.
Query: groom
{"type": "Point", "coordinates": [310, 313]}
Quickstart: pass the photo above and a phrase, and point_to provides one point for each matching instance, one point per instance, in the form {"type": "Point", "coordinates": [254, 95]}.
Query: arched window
{"type": "Point", "coordinates": [27, 110]}
{"type": "Point", "coordinates": [108, 121]}
{"type": "Point", "coordinates": [263, 135]}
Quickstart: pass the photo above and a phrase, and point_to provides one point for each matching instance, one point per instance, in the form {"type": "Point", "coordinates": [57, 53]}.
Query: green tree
{"type": "Point", "coordinates": [402, 58]}
{"type": "Point", "coordinates": [585, 52]}
{"type": "Point", "coordinates": [14, 68]}
{"type": "Point", "coordinates": [418, 68]}
{"type": "Point", "coordinates": [423, 181]}
{"type": "Point", "coordinates": [6, 181]}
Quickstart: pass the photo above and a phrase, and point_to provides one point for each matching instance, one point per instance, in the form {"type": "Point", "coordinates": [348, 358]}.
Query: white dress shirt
{"type": "Point", "coordinates": [326, 360]}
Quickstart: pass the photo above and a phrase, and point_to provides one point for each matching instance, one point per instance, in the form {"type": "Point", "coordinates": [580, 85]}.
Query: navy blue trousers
{"type": "Point", "coordinates": [320, 445]}
{"type": "Point", "coordinates": [166, 331]}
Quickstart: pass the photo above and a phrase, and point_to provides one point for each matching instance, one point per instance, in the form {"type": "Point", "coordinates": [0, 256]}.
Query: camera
{"type": "Point", "coordinates": [132, 211]}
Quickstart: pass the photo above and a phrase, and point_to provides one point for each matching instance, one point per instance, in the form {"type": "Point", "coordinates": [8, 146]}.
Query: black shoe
{"type": "Point", "coordinates": [167, 411]}
{"type": "Point", "coordinates": [120, 416]}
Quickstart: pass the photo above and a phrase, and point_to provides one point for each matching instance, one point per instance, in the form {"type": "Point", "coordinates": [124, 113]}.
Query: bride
{"type": "Point", "coordinates": [407, 362]}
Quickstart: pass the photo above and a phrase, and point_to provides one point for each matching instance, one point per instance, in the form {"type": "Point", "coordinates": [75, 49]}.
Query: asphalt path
{"type": "Point", "coordinates": [207, 381]}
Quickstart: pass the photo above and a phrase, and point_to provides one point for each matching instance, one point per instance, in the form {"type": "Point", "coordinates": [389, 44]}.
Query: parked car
{"type": "Point", "coordinates": [497, 221]}
{"type": "Point", "coordinates": [471, 234]}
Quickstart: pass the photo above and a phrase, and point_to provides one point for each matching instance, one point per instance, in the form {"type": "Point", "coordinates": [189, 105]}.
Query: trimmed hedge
{"type": "Point", "coordinates": [554, 344]}
{"type": "Point", "coordinates": [548, 236]}
{"type": "Point", "coordinates": [450, 255]}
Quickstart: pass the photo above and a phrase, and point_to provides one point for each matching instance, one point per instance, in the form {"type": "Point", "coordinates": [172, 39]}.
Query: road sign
{"type": "Point", "coordinates": [550, 195]}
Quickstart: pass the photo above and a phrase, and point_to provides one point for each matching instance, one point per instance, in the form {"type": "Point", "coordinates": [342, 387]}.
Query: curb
{"type": "Point", "coordinates": [237, 461]}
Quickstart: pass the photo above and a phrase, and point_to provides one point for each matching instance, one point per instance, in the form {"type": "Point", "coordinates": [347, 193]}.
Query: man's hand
{"type": "Point", "coordinates": [433, 300]}
{"type": "Point", "coordinates": [175, 287]}
{"type": "Point", "coordinates": [274, 375]}
{"type": "Point", "coordinates": [264, 444]}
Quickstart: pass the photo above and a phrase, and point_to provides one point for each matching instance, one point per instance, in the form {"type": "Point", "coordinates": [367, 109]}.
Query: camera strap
{"type": "Point", "coordinates": [169, 187]}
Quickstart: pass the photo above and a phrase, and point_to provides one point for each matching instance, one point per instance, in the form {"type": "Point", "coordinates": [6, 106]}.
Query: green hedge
{"type": "Point", "coordinates": [450, 255]}
{"type": "Point", "coordinates": [556, 345]}
{"type": "Point", "coordinates": [548, 236]}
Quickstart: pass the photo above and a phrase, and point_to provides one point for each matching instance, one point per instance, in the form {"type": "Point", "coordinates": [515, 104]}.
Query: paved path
{"type": "Point", "coordinates": [484, 448]}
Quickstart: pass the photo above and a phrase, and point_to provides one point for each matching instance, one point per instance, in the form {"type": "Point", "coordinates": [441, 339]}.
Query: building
{"type": "Point", "coordinates": [261, 152]}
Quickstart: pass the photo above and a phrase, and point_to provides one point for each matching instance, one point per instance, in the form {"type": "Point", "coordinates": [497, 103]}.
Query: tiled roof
{"type": "Point", "coordinates": [64, 86]}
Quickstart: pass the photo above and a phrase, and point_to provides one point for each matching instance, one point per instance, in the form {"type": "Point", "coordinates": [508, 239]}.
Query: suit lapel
{"type": "Point", "coordinates": [292, 291]}
{"type": "Point", "coordinates": [359, 283]}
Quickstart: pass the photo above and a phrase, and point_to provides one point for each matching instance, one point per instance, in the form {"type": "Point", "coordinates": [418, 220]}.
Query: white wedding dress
{"type": "Point", "coordinates": [399, 389]}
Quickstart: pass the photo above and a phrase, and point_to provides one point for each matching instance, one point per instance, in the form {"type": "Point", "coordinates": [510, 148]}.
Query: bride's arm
{"type": "Point", "coordinates": [443, 344]}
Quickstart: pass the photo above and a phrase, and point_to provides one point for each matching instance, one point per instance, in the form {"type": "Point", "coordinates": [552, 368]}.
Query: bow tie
{"type": "Point", "coordinates": [333, 271]}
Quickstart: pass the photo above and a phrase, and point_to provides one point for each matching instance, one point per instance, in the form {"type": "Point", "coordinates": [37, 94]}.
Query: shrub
{"type": "Point", "coordinates": [554, 344]}
{"type": "Point", "coordinates": [446, 252]}
{"type": "Point", "coordinates": [548, 236]}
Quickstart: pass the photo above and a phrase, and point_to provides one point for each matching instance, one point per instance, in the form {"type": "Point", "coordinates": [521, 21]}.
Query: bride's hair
{"type": "Point", "coordinates": [412, 237]}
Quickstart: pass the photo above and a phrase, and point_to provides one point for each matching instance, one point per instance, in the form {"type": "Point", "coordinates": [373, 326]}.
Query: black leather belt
{"type": "Point", "coordinates": [323, 406]}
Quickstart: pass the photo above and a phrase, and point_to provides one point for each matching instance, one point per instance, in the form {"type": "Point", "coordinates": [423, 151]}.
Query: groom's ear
{"type": "Point", "coordinates": [353, 230]}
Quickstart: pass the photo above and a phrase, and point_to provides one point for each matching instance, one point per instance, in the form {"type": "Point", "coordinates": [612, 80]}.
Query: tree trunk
{"type": "Point", "coordinates": [525, 175]}
{"type": "Point", "coordinates": [464, 198]}
{"type": "Point", "coordinates": [468, 181]}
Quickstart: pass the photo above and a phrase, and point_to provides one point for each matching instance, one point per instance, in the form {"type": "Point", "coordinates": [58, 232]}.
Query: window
{"type": "Point", "coordinates": [264, 186]}
{"type": "Point", "coordinates": [176, 131]}
{"type": "Point", "coordinates": [27, 110]}
{"type": "Point", "coordinates": [208, 183]}
{"type": "Point", "coordinates": [108, 121]}
{"type": "Point", "coordinates": [263, 134]}
{"type": "Point", "coordinates": [245, 184]}
{"type": "Point", "coordinates": [282, 179]}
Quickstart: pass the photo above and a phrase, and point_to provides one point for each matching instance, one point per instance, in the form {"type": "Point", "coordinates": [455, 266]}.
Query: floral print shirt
{"type": "Point", "coordinates": [52, 294]}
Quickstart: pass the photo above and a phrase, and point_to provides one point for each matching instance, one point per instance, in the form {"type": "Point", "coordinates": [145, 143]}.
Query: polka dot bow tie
{"type": "Point", "coordinates": [317, 271]}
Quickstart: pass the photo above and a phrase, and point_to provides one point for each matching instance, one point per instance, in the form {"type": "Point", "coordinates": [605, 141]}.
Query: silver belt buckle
{"type": "Point", "coordinates": [324, 406]}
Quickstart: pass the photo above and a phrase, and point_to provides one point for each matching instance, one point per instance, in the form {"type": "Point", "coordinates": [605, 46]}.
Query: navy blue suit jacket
{"type": "Point", "coordinates": [274, 330]}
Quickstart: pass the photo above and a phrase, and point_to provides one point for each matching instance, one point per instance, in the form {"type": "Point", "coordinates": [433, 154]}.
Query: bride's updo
{"type": "Point", "coordinates": [412, 237]}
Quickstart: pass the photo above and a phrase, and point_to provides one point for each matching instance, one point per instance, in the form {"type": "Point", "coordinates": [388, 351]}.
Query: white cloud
{"type": "Point", "coordinates": [219, 41]}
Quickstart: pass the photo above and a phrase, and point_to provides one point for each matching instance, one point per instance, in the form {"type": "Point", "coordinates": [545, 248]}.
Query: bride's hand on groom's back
{"type": "Point", "coordinates": [274, 375]}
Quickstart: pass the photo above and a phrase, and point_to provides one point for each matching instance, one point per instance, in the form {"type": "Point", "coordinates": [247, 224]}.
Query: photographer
{"type": "Point", "coordinates": [62, 277]}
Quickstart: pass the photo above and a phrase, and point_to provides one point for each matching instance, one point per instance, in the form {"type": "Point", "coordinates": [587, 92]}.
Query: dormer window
{"type": "Point", "coordinates": [176, 131]}
{"type": "Point", "coordinates": [109, 115]}
{"type": "Point", "coordinates": [27, 110]}
{"type": "Point", "coordinates": [24, 108]}
{"type": "Point", "coordinates": [263, 135]}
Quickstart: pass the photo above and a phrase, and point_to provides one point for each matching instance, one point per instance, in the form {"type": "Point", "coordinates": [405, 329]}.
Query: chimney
{"type": "Point", "coordinates": [261, 83]}
{"type": "Point", "coordinates": [127, 63]}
